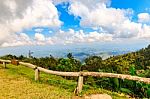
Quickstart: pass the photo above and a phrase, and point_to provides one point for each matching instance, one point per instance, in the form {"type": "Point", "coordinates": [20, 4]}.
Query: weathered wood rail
{"type": "Point", "coordinates": [77, 74]}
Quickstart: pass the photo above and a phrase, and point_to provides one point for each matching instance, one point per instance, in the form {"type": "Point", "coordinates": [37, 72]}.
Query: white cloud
{"type": "Point", "coordinates": [127, 29]}
{"type": "Point", "coordinates": [17, 15]}
{"type": "Point", "coordinates": [39, 37]}
{"type": "Point", "coordinates": [71, 36]}
{"type": "Point", "coordinates": [144, 17]}
{"type": "Point", "coordinates": [116, 22]}
{"type": "Point", "coordinates": [18, 40]}
{"type": "Point", "coordinates": [98, 14]}
{"type": "Point", "coordinates": [109, 23]}
{"type": "Point", "coordinates": [144, 33]}
{"type": "Point", "coordinates": [39, 30]}
{"type": "Point", "coordinates": [50, 32]}
{"type": "Point", "coordinates": [37, 15]}
{"type": "Point", "coordinates": [11, 5]}
{"type": "Point", "coordinates": [61, 37]}
{"type": "Point", "coordinates": [112, 20]}
{"type": "Point", "coordinates": [89, 3]}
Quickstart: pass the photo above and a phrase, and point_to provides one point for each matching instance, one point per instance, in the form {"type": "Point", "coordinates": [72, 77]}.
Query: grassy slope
{"type": "Point", "coordinates": [17, 82]}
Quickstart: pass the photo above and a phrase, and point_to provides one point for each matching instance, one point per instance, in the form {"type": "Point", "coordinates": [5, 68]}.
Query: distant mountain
{"type": "Point", "coordinates": [103, 54]}
{"type": "Point", "coordinates": [78, 51]}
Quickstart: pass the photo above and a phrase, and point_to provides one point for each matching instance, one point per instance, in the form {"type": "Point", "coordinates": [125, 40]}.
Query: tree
{"type": "Point", "coordinates": [70, 56]}
{"type": "Point", "coordinates": [67, 64]}
{"type": "Point", "coordinates": [21, 57]}
{"type": "Point", "coordinates": [52, 63]}
{"type": "Point", "coordinates": [93, 63]}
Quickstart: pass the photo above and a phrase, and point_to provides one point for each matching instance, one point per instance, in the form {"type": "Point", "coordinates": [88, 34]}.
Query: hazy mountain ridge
{"type": "Point", "coordinates": [78, 52]}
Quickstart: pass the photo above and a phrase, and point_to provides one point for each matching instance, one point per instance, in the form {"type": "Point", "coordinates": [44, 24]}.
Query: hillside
{"type": "Point", "coordinates": [18, 82]}
{"type": "Point", "coordinates": [121, 63]}
{"type": "Point", "coordinates": [134, 63]}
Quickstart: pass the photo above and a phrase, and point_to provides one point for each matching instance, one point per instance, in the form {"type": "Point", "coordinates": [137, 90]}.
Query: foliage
{"type": "Point", "coordinates": [68, 64]}
{"type": "Point", "coordinates": [93, 63]}
{"type": "Point", "coordinates": [125, 90]}
{"type": "Point", "coordinates": [132, 70]}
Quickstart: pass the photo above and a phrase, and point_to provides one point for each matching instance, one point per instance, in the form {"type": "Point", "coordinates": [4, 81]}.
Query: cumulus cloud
{"type": "Point", "coordinates": [89, 3]}
{"type": "Point", "coordinates": [144, 17]}
{"type": "Point", "coordinates": [71, 36]}
{"type": "Point", "coordinates": [112, 20]}
{"type": "Point", "coordinates": [107, 23]}
{"type": "Point", "coordinates": [17, 15]}
{"type": "Point", "coordinates": [61, 37]}
{"type": "Point", "coordinates": [97, 14]}
{"type": "Point", "coordinates": [39, 37]}
{"type": "Point", "coordinates": [18, 40]}
{"type": "Point", "coordinates": [144, 33]}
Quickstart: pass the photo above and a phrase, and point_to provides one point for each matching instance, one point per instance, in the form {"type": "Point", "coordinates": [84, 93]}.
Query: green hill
{"type": "Point", "coordinates": [17, 82]}
{"type": "Point", "coordinates": [134, 63]}
{"type": "Point", "coordinates": [121, 63]}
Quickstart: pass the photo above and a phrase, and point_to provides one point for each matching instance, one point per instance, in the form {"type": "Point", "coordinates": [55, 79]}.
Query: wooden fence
{"type": "Point", "coordinates": [80, 75]}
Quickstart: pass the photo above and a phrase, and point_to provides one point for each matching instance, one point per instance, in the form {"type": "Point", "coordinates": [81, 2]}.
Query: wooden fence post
{"type": "Point", "coordinates": [37, 73]}
{"type": "Point", "coordinates": [4, 64]}
{"type": "Point", "coordinates": [80, 84]}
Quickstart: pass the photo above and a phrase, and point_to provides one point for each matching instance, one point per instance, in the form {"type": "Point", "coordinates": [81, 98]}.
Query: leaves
{"type": "Point", "coordinates": [132, 70]}
{"type": "Point", "coordinates": [125, 90]}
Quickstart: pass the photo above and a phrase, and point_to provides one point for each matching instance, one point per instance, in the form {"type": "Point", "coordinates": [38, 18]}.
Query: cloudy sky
{"type": "Point", "coordinates": [53, 22]}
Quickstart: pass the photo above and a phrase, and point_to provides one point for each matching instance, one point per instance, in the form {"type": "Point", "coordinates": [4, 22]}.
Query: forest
{"type": "Point", "coordinates": [133, 63]}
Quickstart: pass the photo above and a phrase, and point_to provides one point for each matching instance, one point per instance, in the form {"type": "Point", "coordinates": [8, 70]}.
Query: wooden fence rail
{"type": "Point", "coordinates": [78, 74]}
{"type": "Point", "coordinates": [58, 72]}
{"type": "Point", "coordinates": [28, 65]}
{"type": "Point", "coordinates": [4, 62]}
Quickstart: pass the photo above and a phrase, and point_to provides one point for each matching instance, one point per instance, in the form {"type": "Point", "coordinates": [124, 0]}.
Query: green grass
{"type": "Point", "coordinates": [17, 82]}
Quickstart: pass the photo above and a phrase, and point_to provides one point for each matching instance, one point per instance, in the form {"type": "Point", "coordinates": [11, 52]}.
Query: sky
{"type": "Point", "coordinates": [65, 22]}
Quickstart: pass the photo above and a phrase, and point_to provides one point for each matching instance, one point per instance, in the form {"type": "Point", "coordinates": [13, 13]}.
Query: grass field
{"type": "Point", "coordinates": [17, 82]}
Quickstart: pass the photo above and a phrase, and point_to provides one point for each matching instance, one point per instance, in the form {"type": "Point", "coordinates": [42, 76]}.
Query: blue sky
{"type": "Point", "coordinates": [70, 21]}
{"type": "Point", "coordinates": [138, 6]}
{"type": "Point", "coordinates": [62, 22]}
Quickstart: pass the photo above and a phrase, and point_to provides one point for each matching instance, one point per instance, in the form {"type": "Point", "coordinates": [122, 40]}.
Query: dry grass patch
{"type": "Point", "coordinates": [18, 87]}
